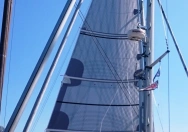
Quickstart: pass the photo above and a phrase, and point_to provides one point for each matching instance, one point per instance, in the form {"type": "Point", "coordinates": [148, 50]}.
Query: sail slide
{"type": "Point", "coordinates": [86, 104]}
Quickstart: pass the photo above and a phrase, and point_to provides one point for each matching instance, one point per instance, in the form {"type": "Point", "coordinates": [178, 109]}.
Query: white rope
{"type": "Point", "coordinates": [164, 27]}
{"type": "Point", "coordinates": [108, 108]}
{"type": "Point", "coordinates": [158, 112]}
{"type": "Point", "coordinates": [53, 84]}
{"type": "Point", "coordinates": [165, 32]}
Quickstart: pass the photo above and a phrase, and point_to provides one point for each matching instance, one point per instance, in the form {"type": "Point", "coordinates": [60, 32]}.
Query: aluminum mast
{"type": "Point", "coordinates": [142, 48]}
{"type": "Point", "coordinates": [53, 65]}
{"type": "Point", "coordinates": [148, 111]}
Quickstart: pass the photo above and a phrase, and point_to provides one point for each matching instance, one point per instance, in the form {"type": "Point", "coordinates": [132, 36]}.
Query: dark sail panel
{"type": "Point", "coordinates": [98, 91]}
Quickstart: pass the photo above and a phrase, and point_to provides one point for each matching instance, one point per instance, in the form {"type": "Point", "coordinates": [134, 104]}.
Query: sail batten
{"type": "Point", "coordinates": [103, 35]}
{"type": "Point", "coordinates": [99, 86]}
{"type": "Point", "coordinates": [74, 103]}
{"type": "Point", "coordinates": [58, 130]}
{"type": "Point", "coordinates": [101, 80]}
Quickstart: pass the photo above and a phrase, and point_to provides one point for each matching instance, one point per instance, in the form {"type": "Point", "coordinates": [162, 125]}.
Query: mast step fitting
{"type": "Point", "coordinates": [136, 34]}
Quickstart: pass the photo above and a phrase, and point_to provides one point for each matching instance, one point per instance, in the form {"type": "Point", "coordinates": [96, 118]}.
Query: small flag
{"type": "Point", "coordinates": [153, 86]}
{"type": "Point", "coordinates": [157, 74]}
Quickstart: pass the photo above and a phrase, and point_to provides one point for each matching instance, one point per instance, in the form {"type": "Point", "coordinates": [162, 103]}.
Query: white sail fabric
{"type": "Point", "coordinates": [84, 105]}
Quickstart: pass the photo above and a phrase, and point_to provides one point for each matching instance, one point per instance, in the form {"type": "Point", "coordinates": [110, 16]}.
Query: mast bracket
{"type": "Point", "coordinates": [139, 74]}
{"type": "Point", "coordinates": [136, 11]}
{"type": "Point", "coordinates": [141, 26]}
{"type": "Point", "coordinates": [139, 56]}
{"type": "Point", "coordinates": [158, 60]}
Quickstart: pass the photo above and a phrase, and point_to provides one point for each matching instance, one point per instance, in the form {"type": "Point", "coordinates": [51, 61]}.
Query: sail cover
{"type": "Point", "coordinates": [98, 91]}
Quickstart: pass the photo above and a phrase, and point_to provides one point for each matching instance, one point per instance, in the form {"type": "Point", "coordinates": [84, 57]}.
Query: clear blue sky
{"type": "Point", "coordinates": [33, 23]}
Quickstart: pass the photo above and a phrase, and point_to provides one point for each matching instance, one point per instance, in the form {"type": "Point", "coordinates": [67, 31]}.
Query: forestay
{"type": "Point", "coordinates": [84, 105]}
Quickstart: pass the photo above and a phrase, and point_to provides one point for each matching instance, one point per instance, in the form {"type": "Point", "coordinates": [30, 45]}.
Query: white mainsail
{"type": "Point", "coordinates": [84, 105]}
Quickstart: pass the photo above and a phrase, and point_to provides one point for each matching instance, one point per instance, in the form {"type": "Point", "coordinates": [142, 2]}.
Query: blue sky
{"type": "Point", "coordinates": [33, 23]}
{"type": "Point", "coordinates": [178, 88]}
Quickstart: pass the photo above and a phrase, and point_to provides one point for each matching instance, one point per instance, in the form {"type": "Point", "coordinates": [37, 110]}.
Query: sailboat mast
{"type": "Point", "coordinates": [39, 67]}
{"type": "Point", "coordinates": [148, 111]}
{"type": "Point", "coordinates": [4, 41]}
{"type": "Point", "coordinates": [53, 65]}
{"type": "Point", "coordinates": [142, 48]}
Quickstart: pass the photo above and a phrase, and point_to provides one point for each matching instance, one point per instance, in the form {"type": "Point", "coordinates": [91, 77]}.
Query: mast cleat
{"type": "Point", "coordinates": [136, 34]}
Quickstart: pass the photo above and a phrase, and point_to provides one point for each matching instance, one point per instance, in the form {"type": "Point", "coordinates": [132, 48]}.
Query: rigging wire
{"type": "Point", "coordinates": [103, 54]}
{"type": "Point", "coordinates": [9, 69]}
{"type": "Point", "coordinates": [169, 91]}
{"type": "Point", "coordinates": [169, 118]}
{"type": "Point", "coordinates": [53, 84]}
{"type": "Point", "coordinates": [108, 109]}
{"type": "Point", "coordinates": [155, 102]}
{"type": "Point", "coordinates": [165, 30]}
{"type": "Point", "coordinates": [52, 87]}
{"type": "Point", "coordinates": [158, 112]}
{"type": "Point", "coordinates": [110, 106]}
{"type": "Point", "coordinates": [167, 45]}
